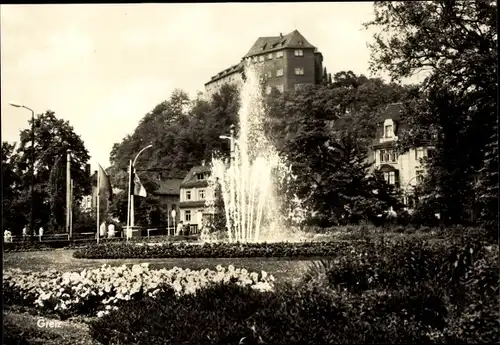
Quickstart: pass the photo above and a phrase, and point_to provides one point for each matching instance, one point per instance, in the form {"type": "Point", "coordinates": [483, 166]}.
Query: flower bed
{"type": "Point", "coordinates": [105, 288]}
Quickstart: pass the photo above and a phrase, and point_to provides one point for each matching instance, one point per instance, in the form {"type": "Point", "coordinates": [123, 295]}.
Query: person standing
{"type": "Point", "coordinates": [40, 234]}
{"type": "Point", "coordinates": [102, 229]}
{"type": "Point", "coordinates": [25, 233]}
{"type": "Point", "coordinates": [179, 229]}
{"type": "Point", "coordinates": [7, 236]}
{"type": "Point", "coordinates": [111, 230]}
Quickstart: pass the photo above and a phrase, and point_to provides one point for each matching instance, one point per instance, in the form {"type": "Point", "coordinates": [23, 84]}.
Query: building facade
{"type": "Point", "coordinates": [168, 192]}
{"type": "Point", "coordinates": [287, 62]}
{"type": "Point", "coordinates": [194, 191]}
{"type": "Point", "coordinates": [406, 170]}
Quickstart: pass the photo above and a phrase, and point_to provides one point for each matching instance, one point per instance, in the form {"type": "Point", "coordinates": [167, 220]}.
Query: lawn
{"type": "Point", "coordinates": [283, 269]}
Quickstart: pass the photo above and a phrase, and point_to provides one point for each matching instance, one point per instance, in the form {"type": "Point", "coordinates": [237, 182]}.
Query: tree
{"type": "Point", "coordinates": [12, 215]}
{"type": "Point", "coordinates": [455, 43]}
{"type": "Point", "coordinates": [332, 174]}
{"type": "Point", "coordinates": [183, 132]}
{"type": "Point", "coordinates": [53, 138]}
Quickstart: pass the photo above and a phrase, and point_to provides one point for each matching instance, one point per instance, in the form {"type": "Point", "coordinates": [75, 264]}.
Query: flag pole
{"type": "Point", "coordinates": [98, 201]}
{"type": "Point", "coordinates": [129, 197]}
{"type": "Point", "coordinates": [132, 210]}
{"type": "Point", "coordinates": [71, 211]}
{"type": "Point", "coordinates": [68, 190]}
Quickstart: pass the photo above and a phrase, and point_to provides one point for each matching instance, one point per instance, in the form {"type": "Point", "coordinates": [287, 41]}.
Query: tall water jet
{"type": "Point", "coordinates": [248, 183]}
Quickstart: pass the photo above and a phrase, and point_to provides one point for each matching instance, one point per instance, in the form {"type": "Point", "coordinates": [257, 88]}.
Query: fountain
{"type": "Point", "coordinates": [249, 182]}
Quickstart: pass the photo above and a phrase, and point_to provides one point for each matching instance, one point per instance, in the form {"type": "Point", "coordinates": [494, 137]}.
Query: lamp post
{"type": "Point", "coordinates": [132, 194]}
{"type": "Point", "coordinates": [232, 176]}
{"type": "Point", "coordinates": [231, 140]}
{"type": "Point", "coordinates": [32, 223]}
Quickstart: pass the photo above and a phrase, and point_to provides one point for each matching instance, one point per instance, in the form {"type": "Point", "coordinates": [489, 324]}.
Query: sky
{"type": "Point", "coordinates": [103, 67]}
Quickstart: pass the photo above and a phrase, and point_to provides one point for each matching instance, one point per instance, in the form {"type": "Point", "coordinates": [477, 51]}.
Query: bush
{"type": "Point", "coordinates": [233, 315]}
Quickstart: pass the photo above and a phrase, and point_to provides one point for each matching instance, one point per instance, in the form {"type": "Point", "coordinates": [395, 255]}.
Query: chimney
{"type": "Point", "coordinates": [281, 35]}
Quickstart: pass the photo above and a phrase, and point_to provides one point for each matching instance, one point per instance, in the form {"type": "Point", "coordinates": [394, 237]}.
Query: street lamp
{"type": "Point", "coordinates": [231, 140]}
{"type": "Point", "coordinates": [132, 192]}
{"type": "Point", "coordinates": [32, 223]}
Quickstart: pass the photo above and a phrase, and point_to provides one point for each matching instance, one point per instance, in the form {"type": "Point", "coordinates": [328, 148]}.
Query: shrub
{"type": "Point", "coordinates": [228, 314]}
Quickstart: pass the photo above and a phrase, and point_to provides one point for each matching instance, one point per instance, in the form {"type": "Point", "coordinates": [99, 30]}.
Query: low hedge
{"type": "Point", "coordinates": [211, 250]}
{"type": "Point", "coordinates": [249, 250]}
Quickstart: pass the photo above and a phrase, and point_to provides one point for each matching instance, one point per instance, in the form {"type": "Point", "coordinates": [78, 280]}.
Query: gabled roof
{"type": "Point", "coordinates": [191, 179]}
{"type": "Point", "coordinates": [238, 68]}
{"type": "Point", "coordinates": [168, 187]}
{"type": "Point", "coordinates": [392, 111]}
{"type": "Point", "coordinates": [293, 40]}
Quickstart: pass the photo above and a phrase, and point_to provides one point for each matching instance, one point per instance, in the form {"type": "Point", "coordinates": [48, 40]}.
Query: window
{"type": "Point", "coordinates": [188, 195]}
{"type": "Point", "coordinates": [299, 52]}
{"type": "Point", "coordinates": [279, 73]}
{"type": "Point", "coordinates": [419, 153]}
{"type": "Point", "coordinates": [268, 74]}
{"type": "Point", "coordinates": [270, 56]}
{"type": "Point", "coordinates": [268, 90]}
{"type": "Point", "coordinates": [299, 71]}
{"type": "Point", "coordinates": [388, 131]}
{"type": "Point", "coordinates": [261, 58]}
{"type": "Point", "coordinates": [298, 86]}
{"type": "Point", "coordinates": [388, 156]}
{"type": "Point", "coordinates": [390, 177]}
{"type": "Point", "coordinates": [254, 59]}
{"type": "Point", "coordinates": [201, 194]}
{"type": "Point", "coordinates": [279, 54]}
{"type": "Point", "coordinates": [280, 88]}
{"type": "Point", "coordinates": [420, 176]}
{"type": "Point", "coordinates": [393, 156]}
{"type": "Point", "coordinates": [200, 176]}
{"type": "Point", "coordinates": [301, 43]}
{"type": "Point", "coordinates": [187, 216]}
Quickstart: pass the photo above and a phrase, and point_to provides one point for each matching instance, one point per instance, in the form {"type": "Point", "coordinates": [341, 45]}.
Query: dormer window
{"type": "Point", "coordinates": [200, 176]}
{"type": "Point", "coordinates": [388, 131]}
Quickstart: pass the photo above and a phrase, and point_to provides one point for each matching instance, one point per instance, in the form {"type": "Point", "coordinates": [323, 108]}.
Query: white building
{"type": "Point", "coordinates": [406, 170]}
